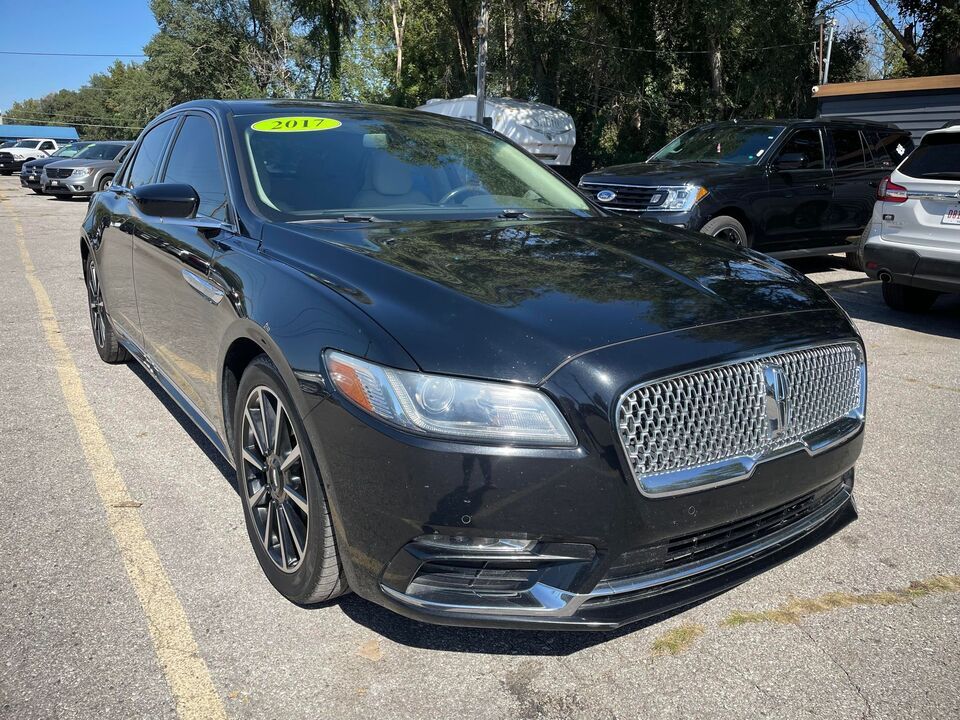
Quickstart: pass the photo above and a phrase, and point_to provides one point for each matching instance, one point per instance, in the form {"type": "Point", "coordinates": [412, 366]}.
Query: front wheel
{"type": "Point", "coordinates": [105, 183]}
{"type": "Point", "coordinates": [108, 346]}
{"type": "Point", "coordinates": [284, 505]}
{"type": "Point", "coordinates": [63, 197]}
{"type": "Point", "coordinates": [38, 191]}
{"type": "Point", "coordinates": [905, 298]}
{"type": "Point", "coordinates": [727, 228]}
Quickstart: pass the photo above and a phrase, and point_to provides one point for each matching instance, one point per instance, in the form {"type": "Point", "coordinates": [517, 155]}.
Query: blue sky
{"type": "Point", "coordinates": [114, 27]}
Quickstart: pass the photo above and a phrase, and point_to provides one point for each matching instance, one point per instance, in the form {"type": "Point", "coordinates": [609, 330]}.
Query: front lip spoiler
{"type": "Point", "coordinates": [546, 606]}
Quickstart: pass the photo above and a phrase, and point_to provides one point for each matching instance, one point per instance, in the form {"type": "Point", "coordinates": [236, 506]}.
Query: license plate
{"type": "Point", "coordinates": [951, 217]}
{"type": "Point", "coordinates": [31, 177]}
{"type": "Point", "coordinates": [54, 182]}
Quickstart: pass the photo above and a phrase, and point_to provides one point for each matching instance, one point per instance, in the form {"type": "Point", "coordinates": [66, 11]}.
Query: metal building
{"type": "Point", "coordinates": [914, 104]}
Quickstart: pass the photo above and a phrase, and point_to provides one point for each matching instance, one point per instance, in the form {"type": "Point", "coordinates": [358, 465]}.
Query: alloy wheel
{"type": "Point", "coordinates": [98, 320]}
{"type": "Point", "coordinates": [730, 235]}
{"type": "Point", "coordinates": [273, 479]}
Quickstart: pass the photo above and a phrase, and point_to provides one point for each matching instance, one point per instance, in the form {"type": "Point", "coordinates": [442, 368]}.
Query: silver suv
{"type": "Point", "coordinates": [912, 243]}
{"type": "Point", "coordinates": [91, 170]}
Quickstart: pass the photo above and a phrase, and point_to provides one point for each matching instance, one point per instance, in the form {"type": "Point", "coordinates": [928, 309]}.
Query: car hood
{"type": "Point", "coordinates": [41, 162]}
{"type": "Point", "coordinates": [666, 173]}
{"type": "Point", "coordinates": [512, 301]}
{"type": "Point", "coordinates": [81, 163]}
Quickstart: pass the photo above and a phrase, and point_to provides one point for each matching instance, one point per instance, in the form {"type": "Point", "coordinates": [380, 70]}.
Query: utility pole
{"type": "Point", "coordinates": [826, 65]}
{"type": "Point", "coordinates": [818, 22]}
{"type": "Point", "coordinates": [482, 24]}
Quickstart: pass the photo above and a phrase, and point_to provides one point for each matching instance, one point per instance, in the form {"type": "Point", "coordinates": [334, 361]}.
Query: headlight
{"type": "Point", "coordinates": [440, 406]}
{"type": "Point", "coordinates": [681, 198]}
{"type": "Point", "coordinates": [79, 172]}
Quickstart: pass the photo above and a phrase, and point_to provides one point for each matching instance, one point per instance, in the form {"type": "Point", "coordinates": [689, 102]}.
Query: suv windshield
{"type": "Point", "coordinates": [100, 151]}
{"type": "Point", "coordinates": [69, 151]}
{"type": "Point", "coordinates": [345, 167]}
{"type": "Point", "coordinates": [722, 143]}
{"type": "Point", "coordinates": [31, 144]}
{"type": "Point", "coordinates": [937, 158]}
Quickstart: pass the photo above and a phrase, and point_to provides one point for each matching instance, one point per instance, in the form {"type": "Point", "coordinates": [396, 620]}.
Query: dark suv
{"type": "Point", "coordinates": [786, 187]}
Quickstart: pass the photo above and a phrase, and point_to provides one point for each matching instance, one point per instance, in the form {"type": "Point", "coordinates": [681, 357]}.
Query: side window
{"type": "Point", "coordinates": [806, 142]}
{"type": "Point", "coordinates": [195, 161]}
{"type": "Point", "coordinates": [847, 148]}
{"type": "Point", "coordinates": [148, 154]}
{"type": "Point", "coordinates": [47, 146]}
{"type": "Point", "coordinates": [889, 148]}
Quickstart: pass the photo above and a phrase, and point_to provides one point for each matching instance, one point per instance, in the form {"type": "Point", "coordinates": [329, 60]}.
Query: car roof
{"type": "Point", "coordinates": [844, 121]}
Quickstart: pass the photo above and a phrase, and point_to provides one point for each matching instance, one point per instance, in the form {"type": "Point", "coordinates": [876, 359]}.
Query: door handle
{"type": "Point", "coordinates": [822, 186]}
{"type": "Point", "coordinates": [203, 286]}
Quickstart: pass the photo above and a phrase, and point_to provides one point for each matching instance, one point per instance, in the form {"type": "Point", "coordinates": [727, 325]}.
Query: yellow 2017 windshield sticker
{"type": "Point", "coordinates": [295, 124]}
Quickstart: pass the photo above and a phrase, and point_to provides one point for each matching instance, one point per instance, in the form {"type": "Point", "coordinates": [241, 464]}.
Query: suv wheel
{"type": "Point", "coordinates": [108, 347]}
{"type": "Point", "coordinates": [105, 183]}
{"type": "Point", "coordinates": [284, 505]}
{"type": "Point", "coordinates": [727, 228]}
{"type": "Point", "coordinates": [908, 299]}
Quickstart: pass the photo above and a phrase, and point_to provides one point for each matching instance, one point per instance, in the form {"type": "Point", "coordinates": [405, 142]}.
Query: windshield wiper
{"type": "Point", "coordinates": [513, 214]}
{"type": "Point", "coordinates": [946, 174]}
{"type": "Point", "coordinates": [356, 218]}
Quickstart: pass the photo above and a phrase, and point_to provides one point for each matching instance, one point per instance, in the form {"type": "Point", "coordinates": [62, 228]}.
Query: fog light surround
{"type": "Point", "coordinates": [466, 544]}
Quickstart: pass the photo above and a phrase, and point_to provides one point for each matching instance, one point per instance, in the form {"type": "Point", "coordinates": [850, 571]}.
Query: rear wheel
{"type": "Point", "coordinates": [908, 299]}
{"type": "Point", "coordinates": [109, 348]}
{"type": "Point", "coordinates": [727, 228]}
{"type": "Point", "coordinates": [284, 505]}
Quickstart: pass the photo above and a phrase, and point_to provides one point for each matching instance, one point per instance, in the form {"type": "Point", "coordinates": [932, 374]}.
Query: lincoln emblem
{"type": "Point", "coordinates": [777, 401]}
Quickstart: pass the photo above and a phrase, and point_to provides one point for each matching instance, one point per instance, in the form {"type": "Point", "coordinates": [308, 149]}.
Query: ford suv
{"type": "Point", "coordinates": [786, 187]}
{"type": "Point", "coordinates": [913, 241]}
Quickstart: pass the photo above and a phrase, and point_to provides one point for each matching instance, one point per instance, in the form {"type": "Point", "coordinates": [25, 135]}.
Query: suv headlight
{"type": "Point", "coordinates": [681, 198]}
{"type": "Point", "coordinates": [447, 407]}
{"type": "Point", "coordinates": [79, 172]}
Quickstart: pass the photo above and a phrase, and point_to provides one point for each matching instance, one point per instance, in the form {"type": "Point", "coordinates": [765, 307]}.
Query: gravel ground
{"type": "Point", "coordinates": [75, 635]}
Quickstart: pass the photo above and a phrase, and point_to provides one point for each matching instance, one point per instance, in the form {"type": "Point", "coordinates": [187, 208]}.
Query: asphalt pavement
{"type": "Point", "coordinates": [128, 587]}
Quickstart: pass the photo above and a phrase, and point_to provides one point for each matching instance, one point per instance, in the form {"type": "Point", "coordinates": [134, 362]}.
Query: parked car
{"type": "Point", "coordinates": [913, 241]}
{"type": "Point", "coordinates": [546, 132]}
{"type": "Point", "coordinates": [785, 187]}
{"type": "Point", "coordinates": [31, 171]}
{"type": "Point", "coordinates": [13, 158]}
{"type": "Point", "coordinates": [90, 171]}
{"type": "Point", "coordinates": [450, 384]}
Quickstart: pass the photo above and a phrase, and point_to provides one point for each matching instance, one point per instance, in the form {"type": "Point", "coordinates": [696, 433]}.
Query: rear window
{"type": "Point", "coordinates": [888, 148]}
{"type": "Point", "coordinates": [937, 158]}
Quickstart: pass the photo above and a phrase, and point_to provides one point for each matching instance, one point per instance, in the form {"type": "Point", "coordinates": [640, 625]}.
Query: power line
{"type": "Point", "coordinates": [59, 54]}
{"type": "Point", "coordinates": [680, 52]}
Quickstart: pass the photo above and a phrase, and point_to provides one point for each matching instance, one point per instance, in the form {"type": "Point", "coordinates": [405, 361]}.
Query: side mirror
{"type": "Point", "coordinates": [791, 161]}
{"type": "Point", "coordinates": [167, 200]}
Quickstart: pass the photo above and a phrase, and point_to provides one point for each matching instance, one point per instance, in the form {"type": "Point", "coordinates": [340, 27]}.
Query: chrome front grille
{"type": "Point", "coordinates": [713, 426]}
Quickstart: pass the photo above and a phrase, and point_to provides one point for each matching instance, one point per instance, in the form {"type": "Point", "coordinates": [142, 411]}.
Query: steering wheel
{"type": "Point", "coordinates": [458, 191]}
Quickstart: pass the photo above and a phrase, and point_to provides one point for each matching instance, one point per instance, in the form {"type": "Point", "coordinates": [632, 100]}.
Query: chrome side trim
{"type": "Point", "coordinates": [211, 292]}
{"type": "Point", "coordinates": [933, 195]}
{"type": "Point", "coordinates": [547, 602]}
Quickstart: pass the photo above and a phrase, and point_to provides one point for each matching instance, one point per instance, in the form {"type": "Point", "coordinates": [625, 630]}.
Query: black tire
{"type": "Point", "coordinates": [63, 197]}
{"type": "Point", "coordinates": [853, 261]}
{"type": "Point", "coordinates": [38, 191]}
{"type": "Point", "coordinates": [904, 298]}
{"type": "Point", "coordinates": [104, 183]}
{"type": "Point", "coordinates": [316, 575]}
{"type": "Point", "coordinates": [6, 172]}
{"type": "Point", "coordinates": [727, 228]}
{"type": "Point", "coordinates": [104, 338]}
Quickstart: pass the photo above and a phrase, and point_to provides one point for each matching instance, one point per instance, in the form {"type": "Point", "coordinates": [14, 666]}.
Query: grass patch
{"type": "Point", "coordinates": [799, 608]}
{"type": "Point", "coordinates": [677, 640]}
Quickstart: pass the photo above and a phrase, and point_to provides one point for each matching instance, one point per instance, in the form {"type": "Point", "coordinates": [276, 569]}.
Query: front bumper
{"type": "Point", "coordinates": [27, 182]}
{"type": "Point", "coordinates": [600, 552]}
{"type": "Point", "coordinates": [83, 185]}
{"type": "Point", "coordinates": [11, 166]}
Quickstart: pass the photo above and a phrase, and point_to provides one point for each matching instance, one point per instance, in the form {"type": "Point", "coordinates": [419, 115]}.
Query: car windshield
{"type": "Point", "coordinates": [30, 144]}
{"type": "Point", "coordinates": [722, 143]}
{"type": "Point", "coordinates": [340, 166]}
{"type": "Point", "coordinates": [100, 151]}
{"type": "Point", "coordinates": [71, 150]}
{"type": "Point", "coordinates": [937, 158]}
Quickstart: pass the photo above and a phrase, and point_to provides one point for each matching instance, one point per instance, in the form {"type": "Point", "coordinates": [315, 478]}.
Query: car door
{"type": "Point", "coordinates": [115, 254]}
{"type": "Point", "coordinates": [798, 194]}
{"type": "Point", "coordinates": [855, 182]}
{"type": "Point", "coordinates": [176, 298]}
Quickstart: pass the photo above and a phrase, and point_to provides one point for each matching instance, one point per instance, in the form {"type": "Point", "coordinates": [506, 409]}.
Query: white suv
{"type": "Point", "coordinates": [913, 240]}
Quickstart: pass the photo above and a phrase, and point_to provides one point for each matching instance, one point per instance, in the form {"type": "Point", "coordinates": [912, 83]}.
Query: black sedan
{"type": "Point", "coordinates": [451, 384]}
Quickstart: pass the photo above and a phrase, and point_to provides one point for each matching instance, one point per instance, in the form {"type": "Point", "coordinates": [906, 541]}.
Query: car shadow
{"type": "Point", "coordinates": [861, 297]}
{"type": "Point", "coordinates": [201, 440]}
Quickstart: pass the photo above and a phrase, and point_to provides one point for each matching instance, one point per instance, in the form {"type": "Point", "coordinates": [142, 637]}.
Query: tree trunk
{"type": "Point", "coordinates": [399, 21]}
{"type": "Point", "coordinates": [716, 76]}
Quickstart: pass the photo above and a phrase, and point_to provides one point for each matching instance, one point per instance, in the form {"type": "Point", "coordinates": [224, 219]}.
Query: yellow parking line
{"type": "Point", "coordinates": [173, 641]}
